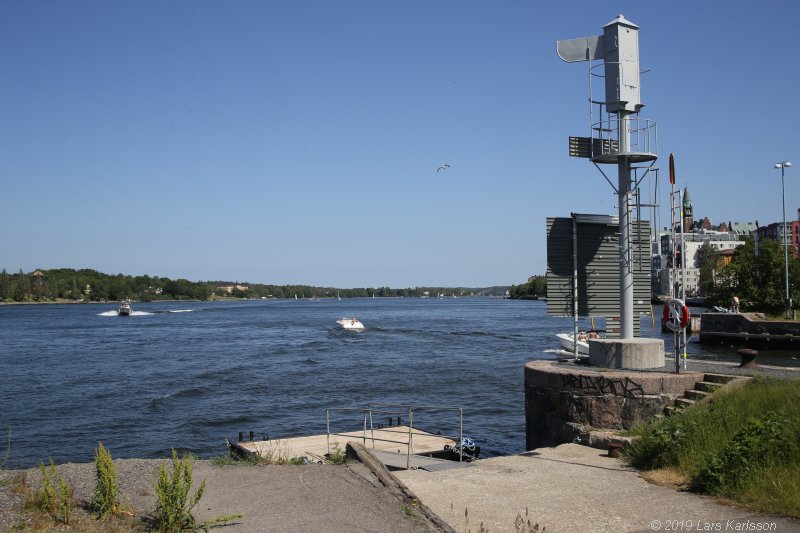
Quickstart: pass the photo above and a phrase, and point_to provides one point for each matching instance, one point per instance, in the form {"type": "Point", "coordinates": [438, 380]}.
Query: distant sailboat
{"type": "Point", "coordinates": [338, 297]}
{"type": "Point", "coordinates": [295, 297]}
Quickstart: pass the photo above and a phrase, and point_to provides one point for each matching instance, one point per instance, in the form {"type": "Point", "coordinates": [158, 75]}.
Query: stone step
{"type": "Point", "coordinates": [707, 386]}
{"type": "Point", "coordinates": [670, 410]}
{"type": "Point", "coordinates": [696, 394]}
{"type": "Point", "coordinates": [683, 403]}
{"type": "Point", "coordinates": [718, 378]}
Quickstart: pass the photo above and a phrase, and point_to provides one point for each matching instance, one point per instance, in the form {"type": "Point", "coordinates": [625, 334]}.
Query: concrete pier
{"type": "Point", "coordinates": [565, 402]}
{"type": "Point", "coordinates": [636, 353]}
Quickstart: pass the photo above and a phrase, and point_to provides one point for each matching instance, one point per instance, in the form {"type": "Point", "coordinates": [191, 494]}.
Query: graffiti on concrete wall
{"type": "Point", "coordinates": [602, 385]}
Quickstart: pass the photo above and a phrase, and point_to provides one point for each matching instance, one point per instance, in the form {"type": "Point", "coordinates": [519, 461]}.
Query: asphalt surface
{"type": "Point", "coordinates": [572, 488]}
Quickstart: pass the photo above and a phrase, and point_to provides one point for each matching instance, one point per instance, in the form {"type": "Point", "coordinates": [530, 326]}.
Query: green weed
{"type": "Point", "coordinates": [106, 492]}
{"type": "Point", "coordinates": [174, 504]}
{"type": "Point", "coordinates": [54, 497]}
{"type": "Point", "coordinates": [337, 456]}
{"type": "Point", "coordinates": [757, 443]}
{"type": "Point", "coordinates": [8, 451]}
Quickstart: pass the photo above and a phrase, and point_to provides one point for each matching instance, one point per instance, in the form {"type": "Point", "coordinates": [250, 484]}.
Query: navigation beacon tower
{"type": "Point", "coordinates": [617, 134]}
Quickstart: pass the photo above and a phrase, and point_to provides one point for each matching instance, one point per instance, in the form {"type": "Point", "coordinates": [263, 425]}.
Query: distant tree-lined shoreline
{"type": "Point", "coordinates": [533, 290]}
{"type": "Point", "coordinates": [87, 285]}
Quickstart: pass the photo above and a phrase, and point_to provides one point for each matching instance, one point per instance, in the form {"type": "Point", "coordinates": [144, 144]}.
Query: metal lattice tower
{"type": "Point", "coordinates": [619, 136]}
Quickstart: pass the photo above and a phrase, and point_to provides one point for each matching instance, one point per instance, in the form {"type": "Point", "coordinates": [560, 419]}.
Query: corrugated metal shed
{"type": "Point", "coordinates": [598, 268]}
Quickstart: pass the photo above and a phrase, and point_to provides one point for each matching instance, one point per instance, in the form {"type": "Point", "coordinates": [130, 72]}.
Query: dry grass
{"type": "Point", "coordinates": [668, 477]}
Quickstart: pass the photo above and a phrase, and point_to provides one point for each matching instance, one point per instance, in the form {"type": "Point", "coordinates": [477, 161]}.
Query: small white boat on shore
{"type": "Point", "coordinates": [350, 323]}
{"type": "Point", "coordinates": [125, 308]}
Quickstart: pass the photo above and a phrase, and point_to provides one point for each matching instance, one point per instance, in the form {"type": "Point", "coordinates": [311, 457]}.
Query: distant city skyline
{"type": "Point", "coordinates": [306, 143]}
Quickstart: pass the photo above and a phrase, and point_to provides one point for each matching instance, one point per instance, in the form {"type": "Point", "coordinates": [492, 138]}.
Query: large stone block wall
{"type": "Point", "coordinates": [566, 401]}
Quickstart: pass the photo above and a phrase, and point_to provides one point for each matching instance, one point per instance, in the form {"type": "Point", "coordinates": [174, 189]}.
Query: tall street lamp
{"type": "Point", "coordinates": [784, 165]}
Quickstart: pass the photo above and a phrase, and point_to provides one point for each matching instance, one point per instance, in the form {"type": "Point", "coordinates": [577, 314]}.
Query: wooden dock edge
{"type": "Point", "coordinates": [355, 451]}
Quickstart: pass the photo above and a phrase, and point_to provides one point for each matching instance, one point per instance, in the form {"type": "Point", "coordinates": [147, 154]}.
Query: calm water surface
{"type": "Point", "coordinates": [190, 375]}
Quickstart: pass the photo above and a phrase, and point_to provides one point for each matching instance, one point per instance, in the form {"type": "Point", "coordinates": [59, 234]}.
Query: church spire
{"type": "Point", "coordinates": [688, 210]}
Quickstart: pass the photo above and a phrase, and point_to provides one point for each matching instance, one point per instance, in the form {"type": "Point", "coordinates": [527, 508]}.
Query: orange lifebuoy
{"type": "Point", "coordinates": [685, 316]}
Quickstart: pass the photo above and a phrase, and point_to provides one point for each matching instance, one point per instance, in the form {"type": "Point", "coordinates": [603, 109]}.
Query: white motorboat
{"type": "Point", "coordinates": [125, 308]}
{"type": "Point", "coordinates": [350, 323]}
{"type": "Point", "coordinates": [568, 343]}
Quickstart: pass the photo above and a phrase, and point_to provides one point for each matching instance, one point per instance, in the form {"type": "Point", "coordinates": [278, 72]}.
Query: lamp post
{"type": "Point", "coordinates": [784, 165]}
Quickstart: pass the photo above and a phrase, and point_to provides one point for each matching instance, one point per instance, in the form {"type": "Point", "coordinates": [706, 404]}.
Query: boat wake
{"type": "Point", "coordinates": [181, 311]}
{"type": "Point", "coordinates": [560, 353]}
{"type": "Point", "coordinates": [116, 313]}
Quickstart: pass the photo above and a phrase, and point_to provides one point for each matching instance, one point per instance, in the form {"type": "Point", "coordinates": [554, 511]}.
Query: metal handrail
{"type": "Point", "coordinates": [644, 134]}
{"type": "Point", "coordinates": [408, 410]}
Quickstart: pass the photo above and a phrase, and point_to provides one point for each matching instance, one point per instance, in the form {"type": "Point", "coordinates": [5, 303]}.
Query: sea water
{"type": "Point", "coordinates": [189, 375]}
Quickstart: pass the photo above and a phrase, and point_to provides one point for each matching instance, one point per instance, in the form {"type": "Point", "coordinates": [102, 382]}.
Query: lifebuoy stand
{"type": "Point", "coordinates": [676, 316]}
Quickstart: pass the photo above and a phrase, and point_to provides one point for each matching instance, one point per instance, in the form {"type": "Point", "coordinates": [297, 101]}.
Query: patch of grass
{"type": "Point", "coordinates": [744, 445]}
{"type": "Point", "coordinates": [220, 521]}
{"type": "Point", "coordinates": [8, 451]}
{"type": "Point", "coordinates": [54, 498]}
{"type": "Point", "coordinates": [523, 524]}
{"type": "Point", "coordinates": [251, 459]}
{"type": "Point", "coordinates": [337, 456]}
{"type": "Point", "coordinates": [275, 454]}
{"type": "Point", "coordinates": [4, 482]}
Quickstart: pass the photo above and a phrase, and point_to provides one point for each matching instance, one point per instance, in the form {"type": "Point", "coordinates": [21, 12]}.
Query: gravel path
{"type": "Point", "coordinates": [314, 497]}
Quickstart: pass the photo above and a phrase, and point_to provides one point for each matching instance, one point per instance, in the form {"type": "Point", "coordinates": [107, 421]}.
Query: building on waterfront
{"type": "Point", "coordinates": [724, 238]}
{"type": "Point", "coordinates": [663, 281]}
{"type": "Point", "coordinates": [774, 231]}
{"type": "Point", "coordinates": [746, 229]}
{"type": "Point", "coordinates": [38, 283]}
{"type": "Point", "coordinates": [230, 288]}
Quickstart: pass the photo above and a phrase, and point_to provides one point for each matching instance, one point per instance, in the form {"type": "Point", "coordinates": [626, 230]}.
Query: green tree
{"type": "Point", "coordinates": [757, 281]}
{"type": "Point", "coordinates": [21, 287]}
{"type": "Point", "coordinates": [5, 285]}
{"type": "Point", "coordinates": [534, 288]}
{"type": "Point", "coordinates": [707, 261]}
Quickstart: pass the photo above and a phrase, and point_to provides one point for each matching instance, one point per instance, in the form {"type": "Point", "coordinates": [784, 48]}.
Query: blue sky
{"type": "Point", "coordinates": [298, 142]}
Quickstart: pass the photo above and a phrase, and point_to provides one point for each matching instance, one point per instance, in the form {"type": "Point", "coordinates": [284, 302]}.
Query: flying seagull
{"type": "Point", "coordinates": [443, 167]}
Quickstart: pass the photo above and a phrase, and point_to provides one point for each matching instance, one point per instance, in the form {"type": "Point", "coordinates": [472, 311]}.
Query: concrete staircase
{"type": "Point", "coordinates": [702, 390]}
